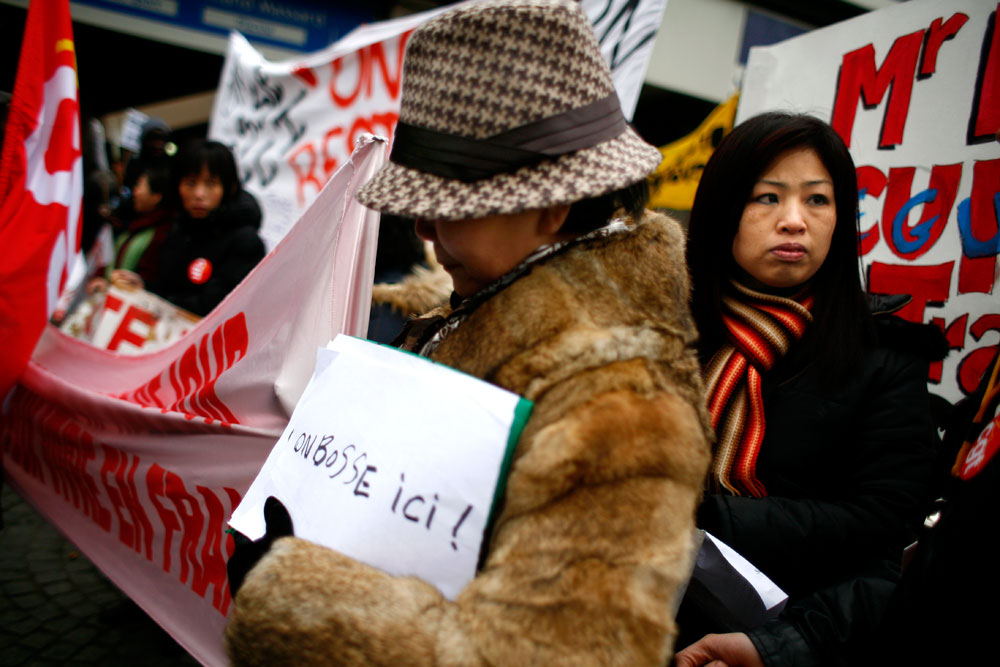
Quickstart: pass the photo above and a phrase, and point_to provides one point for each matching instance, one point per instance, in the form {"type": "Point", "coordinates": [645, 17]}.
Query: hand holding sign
{"type": "Point", "coordinates": [248, 552]}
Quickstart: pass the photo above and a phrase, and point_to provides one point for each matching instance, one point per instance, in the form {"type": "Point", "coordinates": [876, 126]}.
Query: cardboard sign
{"type": "Point", "coordinates": [405, 453]}
{"type": "Point", "coordinates": [914, 91]}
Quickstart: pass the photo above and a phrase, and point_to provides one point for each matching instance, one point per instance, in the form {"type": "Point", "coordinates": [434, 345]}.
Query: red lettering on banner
{"type": "Point", "coordinates": [199, 567]}
{"type": "Point", "coordinates": [192, 377]}
{"type": "Point", "coordinates": [148, 394]}
{"type": "Point", "coordinates": [975, 364]}
{"type": "Point", "coordinates": [979, 227]}
{"type": "Point", "coordinates": [366, 58]}
{"type": "Point", "coordinates": [937, 33]}
{"type": "Point", "coordinates": [329, 157]}
{"type": "Point", "coordinates": [188, 509]}
{"type": "Point", "coordinates": [19, 443]}
{"type": "Point", "coordinates": [124, 332]}
{"type": "Point", "coordinates": [305, 160]}
{"type": "Point", "coordinates": [937, 201]}
{"type": "Point", "coordinates": [213, 557]}
{"type": "Point", "coordinates": [156, 487]}
{"type": "Point", "coordinates": [307, 75]}
{"type": "Point", "coordinates": [925, 284]}
{"type": "Point", "coordinates": [118, 477]}
{"type": "Point", "coordinates": [392, 82]}
{"type": "Point", "coordinates": [112, 303]}
{"type": "Point", "coordinates": [860, 80]}
{"type": "Point", "coordinates": [954, 333]}
{"type": "Point", "coordinates": [337, 66]}
{"type": "Point", "coordinates": [191, 525]}
{"type": "Point", "coordinates": [68, 449]}
{"type": "Point", "coordinates": [985, 119]}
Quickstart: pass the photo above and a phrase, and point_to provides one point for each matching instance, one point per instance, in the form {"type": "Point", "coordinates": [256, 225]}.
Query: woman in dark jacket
{"type": "Point", "coordinates": [823, 450]}
{"type": "Point", "coordinates": [213, 243]}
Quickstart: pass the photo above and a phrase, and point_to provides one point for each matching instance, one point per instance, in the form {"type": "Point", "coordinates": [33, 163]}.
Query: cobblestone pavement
{"type": "Point", "coordinates": [56, 608]}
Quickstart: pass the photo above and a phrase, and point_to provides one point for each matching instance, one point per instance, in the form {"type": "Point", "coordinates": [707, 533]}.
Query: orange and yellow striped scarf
{"type": "Point", "coordinates": [761, 328]}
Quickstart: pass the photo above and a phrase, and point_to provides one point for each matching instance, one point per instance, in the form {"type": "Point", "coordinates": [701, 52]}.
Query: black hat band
{"type": "Point", "coordinates": [467, 159]}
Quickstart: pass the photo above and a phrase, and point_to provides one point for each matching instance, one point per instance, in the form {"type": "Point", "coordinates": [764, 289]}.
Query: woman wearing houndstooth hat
{"type": "Point", "coordinates": [513, 158]}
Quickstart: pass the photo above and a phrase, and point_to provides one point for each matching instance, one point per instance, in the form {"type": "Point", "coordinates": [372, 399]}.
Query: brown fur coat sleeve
{"type": "Point", "coordinates": [595, 537]}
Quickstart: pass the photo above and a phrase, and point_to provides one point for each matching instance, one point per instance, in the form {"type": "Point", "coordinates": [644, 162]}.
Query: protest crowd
{"type": "Point", "coordinates": [724, 450]}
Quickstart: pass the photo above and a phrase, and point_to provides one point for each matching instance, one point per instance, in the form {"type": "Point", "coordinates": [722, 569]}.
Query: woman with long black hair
{"type": "Point", "coordinates": [823, 435]}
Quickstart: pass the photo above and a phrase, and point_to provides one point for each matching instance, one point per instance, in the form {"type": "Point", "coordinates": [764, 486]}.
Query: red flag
{"type": "Point", "coordinates": [41, 184]}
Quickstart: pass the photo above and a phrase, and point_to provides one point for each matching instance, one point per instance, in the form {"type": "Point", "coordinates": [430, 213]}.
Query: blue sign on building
{"type": "Point", "coordinates": [299, 25]}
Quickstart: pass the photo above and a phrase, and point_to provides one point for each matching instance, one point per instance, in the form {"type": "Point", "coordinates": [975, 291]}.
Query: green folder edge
{"type": "Point", "coordinates": [522, 411]}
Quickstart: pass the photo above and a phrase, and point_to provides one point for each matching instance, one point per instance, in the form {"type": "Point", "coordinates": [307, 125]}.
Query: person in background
{"type": "Point", "coordinates": [100, 186]}
{"type": "Point", "coordinates": [824, 444]}
{"type": "Point", "coordinates": [140, 237]}
{"type": "Point", "coordinates": [153, 144]}
{"type": "Point", "coordinates": [568, 293]}
{"type": "Point", "coordinates": [213, 242]}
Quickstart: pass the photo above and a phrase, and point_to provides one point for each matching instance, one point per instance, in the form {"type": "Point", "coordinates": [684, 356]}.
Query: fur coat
{"type": "Point", "coordinates": [595, 538]}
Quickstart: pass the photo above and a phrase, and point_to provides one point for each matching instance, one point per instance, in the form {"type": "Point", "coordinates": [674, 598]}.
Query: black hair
{"type": "Point", "coordinates": [841, 321]}
{"type": "Point", "coordinates": [158, 177]}
{"type": "Point", "coordinates": [201, 153]}
{"type": "Point", "coordinates": [590, 214]}
{"type": "Point", "coordinates": [399, 247]}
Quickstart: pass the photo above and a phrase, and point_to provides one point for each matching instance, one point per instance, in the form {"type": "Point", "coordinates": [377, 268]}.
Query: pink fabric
{"type": "Point", "coordinates": [140, 460]}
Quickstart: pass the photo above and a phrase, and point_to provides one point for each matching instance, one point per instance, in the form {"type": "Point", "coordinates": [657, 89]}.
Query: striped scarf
{"type": "Point", "coordinates": [761, 328]}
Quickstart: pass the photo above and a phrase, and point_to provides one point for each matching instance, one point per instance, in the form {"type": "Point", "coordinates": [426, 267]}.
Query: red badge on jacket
{"type": "Point", "coordinates": [199, 271]}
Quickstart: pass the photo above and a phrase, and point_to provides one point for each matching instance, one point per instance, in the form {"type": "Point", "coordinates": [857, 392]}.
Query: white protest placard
{"type": "Point", "coordinates": [132, 130]}
{"type": "Point", "coordinates": [393, 460]}
{"type": "Point", "coordinates": [914, 91]}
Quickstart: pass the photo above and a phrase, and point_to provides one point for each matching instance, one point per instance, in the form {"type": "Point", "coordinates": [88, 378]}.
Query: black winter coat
{"type": "Point", "coordinates": [847, 471]}
{"type": "Point", "coordinates": [227, 240]}
{"type": "Point", "coordinates": [939, 612]}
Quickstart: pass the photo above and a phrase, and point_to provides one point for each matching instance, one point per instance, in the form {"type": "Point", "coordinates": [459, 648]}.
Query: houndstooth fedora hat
{"type": "Point", "coordinates": [507, 106]}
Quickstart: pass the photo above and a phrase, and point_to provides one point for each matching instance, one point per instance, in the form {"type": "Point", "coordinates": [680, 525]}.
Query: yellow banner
{"type": "Point", "coordinates": [674, 182]}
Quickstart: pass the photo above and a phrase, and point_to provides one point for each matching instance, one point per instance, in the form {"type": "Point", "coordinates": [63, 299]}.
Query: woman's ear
{"type": "Point", "coordinates": [551, 219]}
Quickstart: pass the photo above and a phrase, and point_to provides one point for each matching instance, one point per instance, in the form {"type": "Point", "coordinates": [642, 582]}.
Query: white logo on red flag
{"type": "Point", "coordinates": [41, 184]}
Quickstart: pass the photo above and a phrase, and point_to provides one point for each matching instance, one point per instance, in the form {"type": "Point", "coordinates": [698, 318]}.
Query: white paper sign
{"type": "Point", "coordinates": [393, 460]}
{"type": "Point", "coordinates": [132, 130]}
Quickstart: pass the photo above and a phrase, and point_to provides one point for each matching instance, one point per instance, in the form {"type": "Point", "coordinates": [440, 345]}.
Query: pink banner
{"type": "Point", "coordinates": [140, 460]}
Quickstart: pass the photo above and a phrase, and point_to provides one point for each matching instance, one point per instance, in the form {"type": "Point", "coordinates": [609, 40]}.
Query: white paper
{"type": "Point", "coordinates": [390, 459]}
{"type": "Point", "coordinates": [729, 589]}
